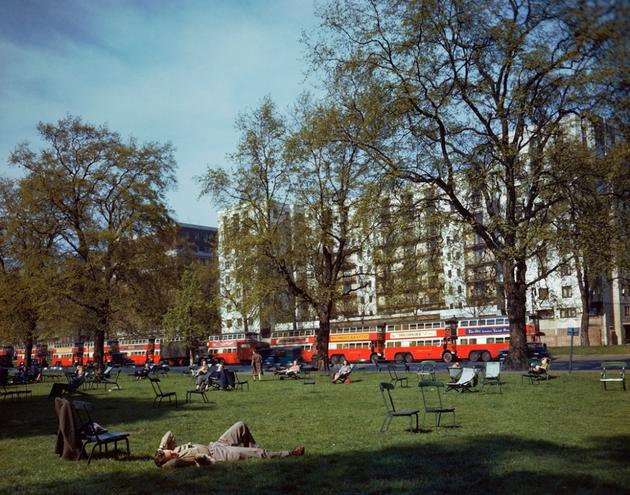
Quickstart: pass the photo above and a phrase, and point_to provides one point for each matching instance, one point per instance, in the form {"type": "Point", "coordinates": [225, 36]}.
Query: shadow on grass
{"type": "Point", "coordinates": [36, 416]}
{"type": "Point", "coordinates": [488, 464]}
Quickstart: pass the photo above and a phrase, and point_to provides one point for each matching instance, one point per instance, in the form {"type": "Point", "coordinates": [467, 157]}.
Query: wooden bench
{"type": "Point", "coordinates": [613, 372]}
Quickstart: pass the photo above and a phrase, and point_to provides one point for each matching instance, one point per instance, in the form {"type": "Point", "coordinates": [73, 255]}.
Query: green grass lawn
{"type": "Point", "coordinates": [590, 350]}
{"type": "Point", "coordinates": [563, 436]}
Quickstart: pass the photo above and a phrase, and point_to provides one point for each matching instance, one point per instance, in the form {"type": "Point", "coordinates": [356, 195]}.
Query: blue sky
{"type": "Point", "coordinates": [177, 71]}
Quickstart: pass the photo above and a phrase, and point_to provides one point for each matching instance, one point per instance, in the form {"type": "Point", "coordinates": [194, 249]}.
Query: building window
{"type": "Point", "coordinates": [459, 289]}
{"type": "Point", "coordinates": [565, 270]}
{"type": "Point", "coordinates": [567, 291]}
{"type": "Point", "coordinates": [626, 311]}
{"type": "Point", "coordinates": [543, 293]}
{"type": "Point", "coordinates": [568, 312]}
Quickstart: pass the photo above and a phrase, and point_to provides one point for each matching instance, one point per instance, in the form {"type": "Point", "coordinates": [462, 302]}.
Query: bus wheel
{"type": "Point", "coordinates": [408, 358]}
{"type": "Point", "coordinates": [399, 358]}
{"type": "Point", "coordinates": [221, 361]}
{"type": "Point", "coordinates": [474, 356]}
{"type": "Point", "coordinates": [486, 356]}
{"type": "Point", "coordinates": [447, 357]}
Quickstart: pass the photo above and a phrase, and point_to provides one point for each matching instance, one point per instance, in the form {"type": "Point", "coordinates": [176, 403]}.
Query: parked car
{"type": "Point", "coordinates": [535, 350]}
{"type": "Point", "coordinates": [281, 357]}
{"type": "Point", "coordinates": [120, 360]}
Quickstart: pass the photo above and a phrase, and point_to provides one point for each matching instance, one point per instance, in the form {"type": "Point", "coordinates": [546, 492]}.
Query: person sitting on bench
{"type": "Point", "coordinates": [344, 372]}
{"type": "Point", "coordinates": [235, 444]}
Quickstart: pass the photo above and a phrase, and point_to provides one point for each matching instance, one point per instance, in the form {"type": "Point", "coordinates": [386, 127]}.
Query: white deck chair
{"type": "Point", "coordinates": [465, 383]}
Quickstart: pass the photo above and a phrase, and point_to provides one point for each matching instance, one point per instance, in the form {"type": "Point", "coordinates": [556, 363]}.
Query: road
{"type": "Point", "coordinates": [559, 363]}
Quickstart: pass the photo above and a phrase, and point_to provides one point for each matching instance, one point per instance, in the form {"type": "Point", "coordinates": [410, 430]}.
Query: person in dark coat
{"type": "Point", "coordinates": [257, 365]}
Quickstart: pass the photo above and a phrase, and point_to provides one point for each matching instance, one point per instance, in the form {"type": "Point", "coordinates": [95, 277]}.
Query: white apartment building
{"type": "Point", "coordinates": [449, 272]}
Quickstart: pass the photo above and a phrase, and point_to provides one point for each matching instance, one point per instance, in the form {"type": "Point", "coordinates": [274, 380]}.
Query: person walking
{"type": "Point", "coordinates": [257, 365]}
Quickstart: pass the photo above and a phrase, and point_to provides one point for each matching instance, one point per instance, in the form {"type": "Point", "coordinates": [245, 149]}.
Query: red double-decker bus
{"type": "Point", "coordinates": [234, 348]}
{"type": "Point", "coordinates": [303, 338]}
{"type": "Point", "coordinates": [356, 342]}
{"type": "Point", "coordinates": [475, 339]}
{"type": "Point", "coordinates": [484, 338]}
{"type": "Point", "coordinates": [138, 350]}
{"type": "Point", "coordinates": [408, 341]}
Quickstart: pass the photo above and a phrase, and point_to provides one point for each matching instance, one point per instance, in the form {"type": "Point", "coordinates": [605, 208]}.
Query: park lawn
{"type": "Point", "coordinates": [563, 436]}
{"type": "Point", "coordinates": [591, 350]}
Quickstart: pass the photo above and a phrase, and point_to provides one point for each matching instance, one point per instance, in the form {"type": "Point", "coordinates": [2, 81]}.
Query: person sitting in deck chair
{"type": "Point", "coordinates": [540, 369]}
{"type": "Point", "coordinates": [201, 375]}
{"type": "Point", "coordinates": [143, 372]}
{"type": "Point", "coordinates": [59, 388]}
{"type": "Point", "coordinates": [344, 372]}
{"type": "Point", "coordinates": [235, 444]}
{"type": "Point", "coordinates": [292, 371]}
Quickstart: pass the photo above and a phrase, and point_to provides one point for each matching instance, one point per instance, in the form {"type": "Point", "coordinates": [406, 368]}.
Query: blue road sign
{"type": "Point", "coordinates": [573, 332]}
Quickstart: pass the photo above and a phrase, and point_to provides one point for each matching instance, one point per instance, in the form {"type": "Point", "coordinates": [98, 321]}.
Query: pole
{"type": "Point", "coordinates": [571, 354]}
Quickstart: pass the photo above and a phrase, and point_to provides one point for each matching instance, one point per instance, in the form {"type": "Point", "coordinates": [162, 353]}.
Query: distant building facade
{"type": "Point", "coordinates": [198, 240]}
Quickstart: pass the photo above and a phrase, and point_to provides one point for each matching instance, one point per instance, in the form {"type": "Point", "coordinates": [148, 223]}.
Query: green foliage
{"type": "Point", "coordinates": [466, 100]}
{"type": "Point", "coordinates": [193, 314]}
{"type": "Point", "coordinates": [300, 207]}
{"type": "Point", "coordinates": [103, 202]}
{"type": "Point", "coordinates": [507, 443]}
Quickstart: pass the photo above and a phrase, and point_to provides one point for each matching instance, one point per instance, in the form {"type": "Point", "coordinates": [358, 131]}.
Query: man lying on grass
{"type": "Point", "coordinates": [235, 444]}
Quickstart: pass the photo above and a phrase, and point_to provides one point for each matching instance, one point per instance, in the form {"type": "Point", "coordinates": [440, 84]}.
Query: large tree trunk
{"type": "Point", "coordinates": [516, 299]}
{"type": "Point", "coordinates": [102, 330]}
{"type": "Point", "coordinates": [99, 346]}
{"type": "Point", "coordinates": [323, 336]}
{"type": "Point", "coordinates": [28, 349]}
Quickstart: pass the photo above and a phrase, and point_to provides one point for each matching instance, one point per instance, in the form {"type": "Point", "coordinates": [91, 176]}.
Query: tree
{"type": "Point", "coordinates": [27, 305]}
{"type": "Point", "coordinates": [466, 100]}
{"type": "Point", "coordinates": [111, 223]}
{"type": "Point", "coordinates": [306, 206]}
{"type": "Point", "coordinates": [193, 314]}
{"type": "Point", "coordinates": [593, 228]}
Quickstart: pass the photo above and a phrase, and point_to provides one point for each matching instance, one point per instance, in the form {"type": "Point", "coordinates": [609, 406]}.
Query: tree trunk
{"type": "Point", "coordinates": [99, 346]}
{"type": "Point", "coordinates": [191, 355]}
{"type": "Point", "coordinates": [99, 337]}
{"type": "Point", "coordinates": [323, 336]}
{"type": "Point", "coordinates": [516, 299]}
{"type": "Point", "coordinates": [585, 297]}
{"type": "Point", "coordinates": [28, 350]}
